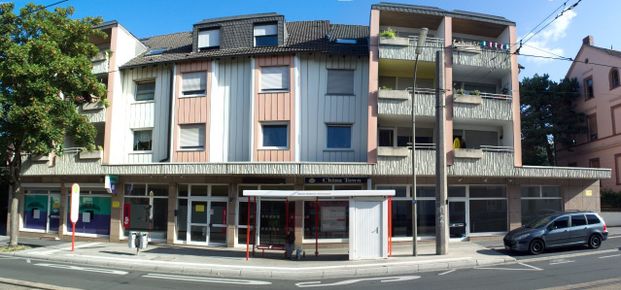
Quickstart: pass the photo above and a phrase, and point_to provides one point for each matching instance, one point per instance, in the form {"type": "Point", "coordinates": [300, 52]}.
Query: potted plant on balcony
{"type": "Point", "coordinates": [389, 37]}
{"type": "Point", "coordinates": [388, 33]}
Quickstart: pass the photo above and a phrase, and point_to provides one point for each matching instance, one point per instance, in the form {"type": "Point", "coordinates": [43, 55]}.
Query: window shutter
{"type": "Point", "coordinates": [209, 38]}
{"type": "Point", "coordinates": [274, 78]}
{"type": "Point", "coordinates": [192, 136]}
{"type": "Point", "coordinates": [261, 30]}
{"type": "Point", "coordinates": [194, 83]}
{"type": "Point", "coordinates": [341, 82]}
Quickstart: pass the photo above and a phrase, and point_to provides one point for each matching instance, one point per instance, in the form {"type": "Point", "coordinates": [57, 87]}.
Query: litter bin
{"type": "Point", "coordinates": [138, 240]}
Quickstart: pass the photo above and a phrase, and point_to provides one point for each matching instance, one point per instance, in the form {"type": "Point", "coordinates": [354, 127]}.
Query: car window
{"type": "Point", "coordinates": [578, 220]}
{"type": "Point", "coordinates": [592, 219]}
{"type": "Point", "coordinates": [560, 223]}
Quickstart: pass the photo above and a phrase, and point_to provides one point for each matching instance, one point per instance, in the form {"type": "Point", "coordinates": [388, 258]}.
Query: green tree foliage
{"type": "Point", "coordinates": [549, 119]}
{"type": "Point", "coordinates": [45, 73]}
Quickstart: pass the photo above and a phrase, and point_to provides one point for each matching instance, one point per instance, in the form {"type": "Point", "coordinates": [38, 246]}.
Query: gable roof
{"type": "Point", "coordinates": [583, 47]}
{"type": "Point", "coordinates": [302, 36]}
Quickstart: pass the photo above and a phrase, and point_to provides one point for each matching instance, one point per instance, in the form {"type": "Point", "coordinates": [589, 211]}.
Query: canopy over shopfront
{"type": "Point", "coordinates": [369, 217]}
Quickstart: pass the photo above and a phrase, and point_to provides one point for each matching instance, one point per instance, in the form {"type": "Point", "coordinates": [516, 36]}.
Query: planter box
{"type": "Point", "coordinates": [468, 153]}
{"type": "Point", "coordinates": [393, 151]}
{"type": "Point", "coordinates": [91, 154]}
{"type": "Point", "coordinates": [467, 99]}
{"type": "Point", "coordinates": [92, 106]}
{"type": "Point", "coordinates": [400, 41]}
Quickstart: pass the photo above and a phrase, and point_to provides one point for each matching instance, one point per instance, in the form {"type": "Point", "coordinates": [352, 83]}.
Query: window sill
{"type": "Point", "coordinates": [191, 150]}
{"type": "Point", "coordinates": [182, 96]}
{"type": "Point", "coordinates": [142, 152]}
{"type": "Point", "coordinates": [340, 95]}
{"type": "Point", "coordinates": [273, 92]}
{"type": "Point", "coordinates": [338, 150]}
{"type": "Point", "coordinates": [272, 148]}
{"type": "Point", "coordinates": [142, 102]}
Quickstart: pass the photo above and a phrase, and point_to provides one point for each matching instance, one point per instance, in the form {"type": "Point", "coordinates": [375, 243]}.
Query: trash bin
{"type": "Point", "coordinates": [131, 240]}
{"type": "Point", "coordinates": [144, 240]}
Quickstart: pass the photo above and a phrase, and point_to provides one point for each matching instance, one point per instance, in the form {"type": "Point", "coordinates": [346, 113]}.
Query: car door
{"type": "Point", "coordinates": [579, 231]}
{"type": "Point", "coordinates": [557, 232]}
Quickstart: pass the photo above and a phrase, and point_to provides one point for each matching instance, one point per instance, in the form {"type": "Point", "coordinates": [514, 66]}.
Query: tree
{"type": "Point", "coordinates": [549, 119]}
{"type": "Point", "coordinates": [45, 73]}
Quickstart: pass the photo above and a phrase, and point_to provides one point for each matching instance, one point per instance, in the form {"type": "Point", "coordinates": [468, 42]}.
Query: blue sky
{"type": "Point", "coordinates": [596, 17]}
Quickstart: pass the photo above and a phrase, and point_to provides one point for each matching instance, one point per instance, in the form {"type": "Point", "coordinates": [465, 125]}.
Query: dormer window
{"type": "Point", "coordinates": [208, 38]}
{"type": "Point", "coordinates": [265, 35]}
{"type": "Point", "coordinates": [346, 41]}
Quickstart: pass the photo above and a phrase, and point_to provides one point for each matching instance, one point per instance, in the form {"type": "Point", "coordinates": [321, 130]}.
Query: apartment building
{"type": "Point", "coordinates": [256, 102]}
{"type": "Point", "coordinates": [597, 71]}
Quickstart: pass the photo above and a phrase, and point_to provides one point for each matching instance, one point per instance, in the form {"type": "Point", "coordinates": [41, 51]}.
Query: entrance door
{"type": "Point", "coordinates": [457, 219]}
{"type": "Point", "coordinates": [54, 213]}
{"type": "Point", "coordinates": [199, 227]}
{"type": "Point", "coordinates": [368, 230]}
{"type": "Point", "coordinates": [217, 223]}
{"type": "Point", "coordinates": [207, 222]}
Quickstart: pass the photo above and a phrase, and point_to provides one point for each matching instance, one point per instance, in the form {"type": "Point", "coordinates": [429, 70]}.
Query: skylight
{"type": "Point", "coordinates": [156, 51]}
{"type": "Point", "coordinates": [346, 41]}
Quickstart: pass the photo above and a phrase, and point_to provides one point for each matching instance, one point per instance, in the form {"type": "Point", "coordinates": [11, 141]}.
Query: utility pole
{"type": "Point", "coordinates": [441, 189]}
{"type": "Point", "coordinates": [422, 36]}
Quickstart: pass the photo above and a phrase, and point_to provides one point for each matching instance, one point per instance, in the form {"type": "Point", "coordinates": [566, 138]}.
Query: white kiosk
{"type": "Point", "coordinates": [369, 230]}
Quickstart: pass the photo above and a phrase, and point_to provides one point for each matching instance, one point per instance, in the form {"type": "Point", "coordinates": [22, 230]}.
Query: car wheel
{"type": "Point", "coordinates": [595, 241]}
{"type": "Point", "coordinates": [536, 247]}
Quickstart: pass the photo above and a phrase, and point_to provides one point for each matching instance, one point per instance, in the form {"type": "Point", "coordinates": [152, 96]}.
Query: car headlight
{"type": "Point", "coordinates": [522, 236]}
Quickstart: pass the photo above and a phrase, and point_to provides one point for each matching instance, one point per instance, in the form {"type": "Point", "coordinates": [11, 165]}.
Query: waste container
{"type": "Point", "coordinates": [138, 240]}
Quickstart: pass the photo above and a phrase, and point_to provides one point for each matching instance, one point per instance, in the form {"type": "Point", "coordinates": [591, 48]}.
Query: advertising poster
{"type": "Point", "coordinates": [333, 219]}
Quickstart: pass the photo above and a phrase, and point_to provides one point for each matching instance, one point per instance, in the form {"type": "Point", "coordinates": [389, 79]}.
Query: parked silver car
{"type": "Point", "coordinates": [556, 230]}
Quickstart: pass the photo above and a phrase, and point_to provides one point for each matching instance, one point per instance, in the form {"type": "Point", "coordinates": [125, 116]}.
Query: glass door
{"type": "Point", "coordinates": [217, 222]}
{"type": "Point", "coordinates": [457, 219]}
{"type": "Point", "coordinates": [198, 222]}
{"type": "Point", "coordinates": [54, 212]}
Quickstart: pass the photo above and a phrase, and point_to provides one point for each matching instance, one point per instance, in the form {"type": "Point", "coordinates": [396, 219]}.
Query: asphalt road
{"type": "Point", "coordinates": [571, 268]}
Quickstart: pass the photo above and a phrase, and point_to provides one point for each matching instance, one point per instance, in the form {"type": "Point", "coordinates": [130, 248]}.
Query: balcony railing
{"type": "Point", "coordinates": [482, 106]}
{"type": "Point", "coordinates": [404, 48]}
{"type": "Point", "coordinates": [398, 102]}
{"type": "Point", "coordinates": [95, 112]}
{"type": "Point", "coordinates": [483, 57]}
{"type": "Point", "coordinates": [101, 66]}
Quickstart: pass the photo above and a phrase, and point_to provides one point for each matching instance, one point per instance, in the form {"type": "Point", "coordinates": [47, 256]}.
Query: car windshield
{"type": "Point", "coordinates": [540, 222]}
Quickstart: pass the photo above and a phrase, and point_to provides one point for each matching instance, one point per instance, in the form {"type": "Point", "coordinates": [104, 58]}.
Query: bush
{"type": "Point", "coordinates": [611, 199]}
{"type": "Point", "coordinates": [388, 33]}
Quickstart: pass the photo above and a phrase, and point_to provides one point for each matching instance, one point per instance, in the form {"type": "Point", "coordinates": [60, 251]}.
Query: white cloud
{"type": "Point", "coordinates": [545, 43]}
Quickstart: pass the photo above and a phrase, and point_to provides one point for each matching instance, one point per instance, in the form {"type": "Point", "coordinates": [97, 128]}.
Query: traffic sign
{"type": "Point", "coordinates": [75, 203]}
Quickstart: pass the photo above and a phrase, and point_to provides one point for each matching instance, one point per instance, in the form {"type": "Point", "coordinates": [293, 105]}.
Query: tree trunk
{"type": "Point", "coordinates": [549, 153]}
{"type": "Point", "coordinates": [15, 171]}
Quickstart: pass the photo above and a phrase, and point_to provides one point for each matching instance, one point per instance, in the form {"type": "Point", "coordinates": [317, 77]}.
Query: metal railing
{"type": "Point", "coordinates": [494, 148]}
{"type": "Point", "coordinates": [482, 94]}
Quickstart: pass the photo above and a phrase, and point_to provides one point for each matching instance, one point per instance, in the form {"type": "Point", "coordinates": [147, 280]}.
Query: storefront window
{"type": "Point", "coordinates": [333, 219]}
{"type": "Point", "coordinates": [42, 210]}
{"type": "Point", "coordinates": [94, 214]}
{"type": "Point", "coordinates": [426, 222]}
{"type": "Point", "coordinates": [538, 201]}
{"type": "Point", "coordinates": [488, 208]}
{"type": "Point", "coordinates": [146, 209]}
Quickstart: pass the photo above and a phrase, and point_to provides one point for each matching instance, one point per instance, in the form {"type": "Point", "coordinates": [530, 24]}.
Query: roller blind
{"type": "Point", "coordinates": [274, 78]}
{"type": "Point", "coordinates": [192, 136]}
{"type": "Point", "coordinates": [194, 83]}
{"type": "Point", "coordinates": [209, 38]}
{"type": "Point", "coordinates": [269, 29]}
{"type": "Point", "coordinates": [340, 82]}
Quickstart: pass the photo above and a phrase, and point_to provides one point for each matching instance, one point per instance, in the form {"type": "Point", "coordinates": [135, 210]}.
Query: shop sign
{"type": "Point", "coordinates": [110, 183]}
{"type": "Point", "coordinates": [335, 180]}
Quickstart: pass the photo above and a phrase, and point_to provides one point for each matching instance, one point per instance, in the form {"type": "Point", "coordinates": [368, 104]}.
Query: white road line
{"type": "Point", "coordinates": [447, 272]}
{"type": "Point", "coordinates": [610, 256]}
{"type": "Point", "coordinates": [206, 279]}
{"type": "Point", "coordinates": [614, 237]}
{"type": "Point", "coordinates": [530, 268]}
{"type": "Point", "coordinates": [84, 269]}
{"type": "Point", "coordinates": [561, 262]}
{"type": "Point", "coordinates": [391, 279]}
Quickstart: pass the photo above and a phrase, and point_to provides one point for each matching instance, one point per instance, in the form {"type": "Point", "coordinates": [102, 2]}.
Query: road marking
{"type": "Point", "coordinates": [55, 250]}
{"type": "Point", "coordinates": [597, 284]}
{"type": "Point", "coordinates": [206, 279]}
{"type": "Point", "coordinates": [531, 268]}
{"type": "Point", "coordinates": [614, 237]}
{"type": "Point", "coordinates": [610, 256]}
{"type": "Point", "coordinates": [447, 272]}
{"type": "Point", "coordinates": [84, 269]}
{"type": "Point", "coordinates": [560, 261]}
{"type": "Point", "coordinates": [391, 279]}
{"type": "Point", "coordinates": [572, 255]}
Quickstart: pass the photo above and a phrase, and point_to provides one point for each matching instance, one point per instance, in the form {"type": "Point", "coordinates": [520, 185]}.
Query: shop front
{"type": "Point", "coordinates": [41, 210]}
{"type": "Point", "coordinates": [202, 214]}
{"type": "Point", "coordinates": [94, 213]}
{"type": "Point", "coordinates": [145, 209]}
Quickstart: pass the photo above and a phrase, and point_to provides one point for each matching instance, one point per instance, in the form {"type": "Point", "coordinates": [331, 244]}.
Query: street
{"type": "Point", "coordinates": [569, 268]}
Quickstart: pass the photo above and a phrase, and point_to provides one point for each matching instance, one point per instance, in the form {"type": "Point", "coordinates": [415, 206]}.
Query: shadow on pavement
{"type": "Point", "coordinates": [274, 255]}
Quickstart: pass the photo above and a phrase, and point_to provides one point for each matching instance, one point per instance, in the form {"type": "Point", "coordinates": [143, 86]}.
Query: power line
{"type": "Point", "coordinates": [44, 7]}
{"type": "Point", "coordinates": [546, 18]}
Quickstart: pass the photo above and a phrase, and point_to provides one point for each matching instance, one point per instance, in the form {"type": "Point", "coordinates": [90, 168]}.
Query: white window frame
{"type": "Point", "coordinates": [351, 135]}
{"type": "Point", "coordinates": [207, 33]}
{"type": "Point", "coordinates": [286, 124]}
{"type": "Point", "coordinates": [204, 93]}
{"type": "Point", "coordinates": [286, 70]}
{"type": "Point", "coordinates": [134, 137]}
{"type": "Point", "coordinates": [254, 32]}
{"type": "Point", "coordinates": [193, 148]}
{"type": "Point", "coordinates": [141, 81]}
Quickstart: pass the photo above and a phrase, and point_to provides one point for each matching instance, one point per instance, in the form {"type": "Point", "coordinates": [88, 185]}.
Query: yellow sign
{"type": "Point", "coordinates": [199, 208]}
{"type": "Point", "coordinates": [588, 192]}
{"type": "Point", "coordinates": [116, 204]}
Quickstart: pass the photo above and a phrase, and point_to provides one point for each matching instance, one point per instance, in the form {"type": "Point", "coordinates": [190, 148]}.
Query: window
{"type": "Point", "coordinates": [561, 223]}
{"type": "Point", "coordinates": [592, 127]}
{"type": "Point", "coordinates": [588, 88]}
{"type": "Point", "coordinates": [592, 219]}
{"type": "Point", "coordinates": [274, 78]}
{"type": "Point", "coordinates": [275, 135]}
{"type": "Point", "coordinates": [578, 220]}
{"type": "Point", "coordinates": [208, 38]}
{"type": "Point", "coordinates": [614, 78]}
{"type": "Point", "coordinates": [142, 140]}
{"type": "Point", "coordinates": [265, 35]}
{"type": "Point", "coordinates": [538, 201]}
{"type": "Point", "coordinates": [346, 41]}
{"type": "Point", "coordinates": [339, 136]}
{"type": "Point", "coordinates": [145, 90]}
{"type": "Point", "coordinates": [192, 136]}
{"type": "Point", "coordinates": [594, 163]}
{"type": "Point", "coordinates": [386, 137]}
{"type": "Point", "coordinates": [572, 164]}
{"type": "Point", "coordinates": [194, 84]}
{"type": "Point", "coordinates": [340, 82]}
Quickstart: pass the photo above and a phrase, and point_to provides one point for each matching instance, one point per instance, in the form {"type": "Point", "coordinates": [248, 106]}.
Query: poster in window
{"type": "Point", "coordinates": [333, 219]}
{"type": "Point", "coordinates": [86, 217]}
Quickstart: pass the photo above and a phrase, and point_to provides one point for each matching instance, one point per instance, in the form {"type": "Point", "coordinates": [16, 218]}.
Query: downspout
{"type": "Point", "coordinates": [170, 114]}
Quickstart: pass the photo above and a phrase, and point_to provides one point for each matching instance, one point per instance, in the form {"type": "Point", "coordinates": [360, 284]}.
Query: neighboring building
{"type": "Point", "coordinates": [597, 72]}
{"type": "Point", "coordinates": [255, 102]}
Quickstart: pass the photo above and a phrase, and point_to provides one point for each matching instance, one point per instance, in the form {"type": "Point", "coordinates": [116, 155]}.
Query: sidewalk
{"type": "Point", "coordinates": [331, 263]}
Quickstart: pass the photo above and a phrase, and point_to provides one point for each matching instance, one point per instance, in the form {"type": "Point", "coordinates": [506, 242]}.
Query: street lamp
{"type": "Point", "coordinates": [422, 36]}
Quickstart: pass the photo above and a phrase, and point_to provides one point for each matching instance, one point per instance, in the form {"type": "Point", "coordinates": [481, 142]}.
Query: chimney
{"type": "Point", "coordinates": [588, 40]}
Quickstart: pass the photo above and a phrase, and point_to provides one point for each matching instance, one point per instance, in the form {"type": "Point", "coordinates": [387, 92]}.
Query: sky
{"type": "Point", "coordinates": [563, 37]}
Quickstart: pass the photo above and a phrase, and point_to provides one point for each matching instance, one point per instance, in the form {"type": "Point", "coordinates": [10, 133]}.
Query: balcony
{"type": "Point", "coordinates": [482, 106]}
{"type": "Point", "coordinates": [474, 55]}
{"type": "Point", "coordinates": [398, 102]}
{"type": "Point", "coordinates": [95, 112]}
{"type": "Point", "coordinates": [101, 63]}
{"type": "Point", "coordinates": [403, 48]}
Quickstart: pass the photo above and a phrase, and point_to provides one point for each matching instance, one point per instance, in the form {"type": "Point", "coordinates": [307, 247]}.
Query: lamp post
{"type": "Point", "coordinates": [422, 36]}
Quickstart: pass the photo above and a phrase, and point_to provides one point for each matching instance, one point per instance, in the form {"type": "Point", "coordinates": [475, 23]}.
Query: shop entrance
{"type": "Point", "coordinates": [276, 218]}
{"type": "Point", "coordinates": [207, 222]}
{"type": "Point", "coordinates": [458, 228]}
{"type": "Point", "coordinates": [42, 211]}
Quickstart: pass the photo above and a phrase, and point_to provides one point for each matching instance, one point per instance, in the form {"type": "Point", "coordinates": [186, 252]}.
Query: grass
{"type": "Point", "coordinates": [8, 249]}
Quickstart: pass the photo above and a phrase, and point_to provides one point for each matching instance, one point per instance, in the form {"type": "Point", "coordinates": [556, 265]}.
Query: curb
{"type": "Point", "coordinates": [33, 285]}
{"type": "Point", "coordinates": [258, 272]}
